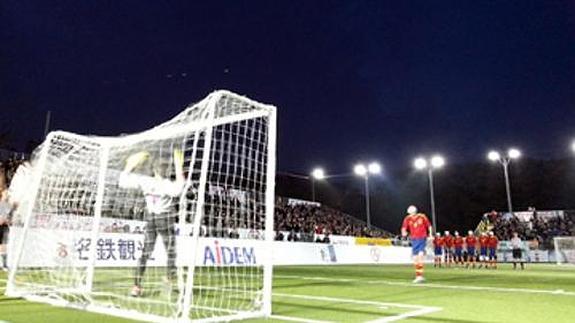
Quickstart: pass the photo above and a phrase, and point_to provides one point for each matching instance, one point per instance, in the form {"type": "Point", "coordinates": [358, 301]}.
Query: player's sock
{"type": "Point", "coordinates": [418, 270]}
{"type": "Point", "coordinates": [4, 261]}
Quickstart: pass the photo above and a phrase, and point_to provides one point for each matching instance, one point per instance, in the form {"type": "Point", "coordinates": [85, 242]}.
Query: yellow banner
{"type": "Point", "coordinates": [373, 241]}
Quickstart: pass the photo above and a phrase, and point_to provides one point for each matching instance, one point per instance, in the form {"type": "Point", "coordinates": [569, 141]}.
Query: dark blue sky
{"type": "Point", "coordinates": [352, 80]}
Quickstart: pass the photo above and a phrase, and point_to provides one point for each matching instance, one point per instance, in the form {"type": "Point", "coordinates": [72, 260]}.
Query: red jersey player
{"type": "Point", "coordinates": [458, 245]}
{"type": "Point", "coordinates": [471, 243]}
{"type": "Point", "coordinates": [419, 228]}
{"type": "Point", "coordinates": [483, 241]}
{"type": "Point", "coordinates": [448, 247]}
{"type": "Point", "coordinates": [438, 249]}
{"type": "Point", "coordinates": [492, 243]}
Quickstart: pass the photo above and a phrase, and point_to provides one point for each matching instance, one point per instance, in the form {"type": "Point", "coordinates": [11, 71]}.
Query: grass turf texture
{"type": "Point", "coordinates": [541, 293]}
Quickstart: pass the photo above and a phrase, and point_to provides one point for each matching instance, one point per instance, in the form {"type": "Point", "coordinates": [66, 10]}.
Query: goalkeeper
{"type": "Point", "coordinates": [160, 214]}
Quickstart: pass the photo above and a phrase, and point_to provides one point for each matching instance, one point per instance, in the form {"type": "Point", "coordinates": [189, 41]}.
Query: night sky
{"type": "Point", "coordinates": [352, 80]}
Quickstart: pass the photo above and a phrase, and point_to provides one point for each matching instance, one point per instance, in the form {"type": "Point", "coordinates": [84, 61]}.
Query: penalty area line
{"type": "Point", "coordinates": [414, 310]}
{"type": "Point", "coordinates": [439, 286]}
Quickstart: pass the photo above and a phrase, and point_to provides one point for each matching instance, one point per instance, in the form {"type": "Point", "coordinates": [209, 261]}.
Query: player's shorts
{"type": "Point", "coordinates": [458, 252]}
{"type": "Point", "coordinates": [448, 250]}
{"type": "Point", "coordinates": [418, 245]}
{"type": "Point", "coordinates": [470, 252]}
{"type": "Point", "coordinates": [4, 234]}
{"type": "Point", "coordinates": [492, 253]}
{"type": "Point", "coordinates": [438, 251]}
{"type": "Point", "coordinates": [516, 253]}
{"type": "Point", "coordinates": [483, 251]}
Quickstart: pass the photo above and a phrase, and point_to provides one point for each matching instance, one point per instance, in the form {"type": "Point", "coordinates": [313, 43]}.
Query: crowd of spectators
{"type": "Point", "coordinates": [307, 222]}
{"type": "Point", "coordinates": [537, 228]}
{"type": "Point", "coordinates": [8, 169]}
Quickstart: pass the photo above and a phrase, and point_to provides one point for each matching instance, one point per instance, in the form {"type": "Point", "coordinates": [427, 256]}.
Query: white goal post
{"type": "Point", "coordinates": [564, 250]}
{"type": "Point", "coordinates": [173, 224]}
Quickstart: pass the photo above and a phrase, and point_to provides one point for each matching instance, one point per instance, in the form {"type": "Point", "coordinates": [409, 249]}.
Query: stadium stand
{"type": "Point", "coordinates": [537, 227]}
{"type": "Point", "coordinates": [303, 222]}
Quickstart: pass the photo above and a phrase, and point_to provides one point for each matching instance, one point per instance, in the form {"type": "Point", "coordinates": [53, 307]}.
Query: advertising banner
{"type": "Point", "coordinates": [48, 248]}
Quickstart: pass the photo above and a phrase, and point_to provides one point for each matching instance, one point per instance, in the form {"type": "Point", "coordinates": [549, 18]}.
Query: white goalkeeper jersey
{"type": "Point", "coordinates": [5, 210]}
{"type": "Point", "coordinates": [158, 192]}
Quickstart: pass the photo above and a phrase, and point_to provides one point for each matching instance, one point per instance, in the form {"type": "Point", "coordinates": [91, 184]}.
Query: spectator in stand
{"type": "Point", "coordinates": [308, 221]}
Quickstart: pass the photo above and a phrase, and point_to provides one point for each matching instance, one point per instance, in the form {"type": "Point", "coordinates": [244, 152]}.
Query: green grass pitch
{"type": "Point", "coordinates": [358, 293]}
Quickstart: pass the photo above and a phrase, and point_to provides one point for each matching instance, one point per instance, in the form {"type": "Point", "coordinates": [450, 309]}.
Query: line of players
{"type": "Point", "coordinates": [461, 251]}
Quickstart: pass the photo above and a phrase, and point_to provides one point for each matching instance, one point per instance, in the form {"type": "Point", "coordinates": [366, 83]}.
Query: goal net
{"type": "Point", "coordinates": [172, 224]}
{"type": "Point", "coordinates": [564, 250]}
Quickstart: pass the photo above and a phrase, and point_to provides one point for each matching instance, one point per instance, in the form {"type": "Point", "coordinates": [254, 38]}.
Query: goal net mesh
{"type": "Point", "coordinates": [168, 224]}
{"type": "Point", "coordinates": [564, 250]}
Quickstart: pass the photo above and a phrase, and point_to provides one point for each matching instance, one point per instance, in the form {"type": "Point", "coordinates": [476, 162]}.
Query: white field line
{"type": "Point", "coordinates": [295, 319]}
{"type": "Point", "coordinates": [415, 310]}
{"type": "Point", "coordinates": [440, 286]}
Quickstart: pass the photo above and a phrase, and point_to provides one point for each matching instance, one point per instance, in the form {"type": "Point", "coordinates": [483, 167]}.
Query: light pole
{"type": "Point", "coordinates": [494, 156]}
{"type": "Point", "coordinates": [364, 171]}
{"type": "Point", "coordinates": [434, 163]}
{"type": "Point", "coordinates": [316, 175]}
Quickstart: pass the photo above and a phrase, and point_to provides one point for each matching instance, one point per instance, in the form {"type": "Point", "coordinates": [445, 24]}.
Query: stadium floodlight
{"type": "Point", "coordinates": [435, 162]}
{"type": "Point", "coordinates": [420, 163]}
{"type": "Point", "coordinates": [318, 174]}
{"type": "Point", "coordinates": [573, 146]}
{"type": "Point", "coordinates": [360, 170]}
{"type": "Point", "coordinates": [91, 182]}
{"type": "Point", "coordinates": [373, 168]}
{"type": "Point", "coordinates": [512, 153]}
{"type": "Point", "coordinates": [493, 156]}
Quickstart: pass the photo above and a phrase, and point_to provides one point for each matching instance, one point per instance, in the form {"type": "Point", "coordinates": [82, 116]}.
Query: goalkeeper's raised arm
{"type": "Point", "coordinates": [159, 192]}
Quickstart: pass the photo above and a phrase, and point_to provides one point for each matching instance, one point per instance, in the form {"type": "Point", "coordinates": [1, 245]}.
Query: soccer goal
{"type": "Point", "coordinates": [564, 250]}
{"type": "Point", "coordinates": [173, 224]}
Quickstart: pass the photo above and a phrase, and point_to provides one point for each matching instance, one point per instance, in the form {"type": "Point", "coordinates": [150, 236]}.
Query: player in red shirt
{"type": "Point", "coordinates": [448, 247]}
{"type": "Point", "coordinates": [418, 226]}
{"type": "Point", "coordinates": [492, 243]}
{"type": "Point", "coordinates": [458, 245]}
{"type": "Point", "coordinates": [471, 243]}
{"type": "Point", "coordinates": [483, 241]}
{"type": "Point", "coordinates": [438, 249]}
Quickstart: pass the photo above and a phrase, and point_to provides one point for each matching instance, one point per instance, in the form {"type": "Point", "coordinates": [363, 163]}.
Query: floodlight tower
{"type": "Point", "coordinates": [317, 174]}
{"type": "Point", "coordinates": [365, 171]}
{"type": "Point", "coordinates": [435, 162]}
{"type": "Point", "coordinates": [495, 156]}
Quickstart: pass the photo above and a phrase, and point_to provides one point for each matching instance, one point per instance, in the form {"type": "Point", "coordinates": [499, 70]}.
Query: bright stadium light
{"type": "Point", "coordinates": [514, 153]}
{"type": "Point", "coordinates": [573, 146]}
{"type": "Point", "coordinates": [493, 156]}
{"type": "Point", "coordinates": [374, 168]}
{"type": "Point", "coordinates": [437, 161]}
{"type": "Point", "coordinates": [318, 174]}
{"type": "Point", "coordinates": [420, 163]}
{"type": "Point", "coordinates": [360, 170]}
